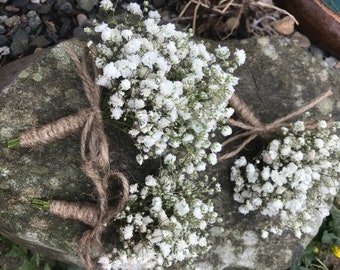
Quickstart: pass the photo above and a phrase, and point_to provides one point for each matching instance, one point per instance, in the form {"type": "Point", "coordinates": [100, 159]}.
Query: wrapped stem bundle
{"type": "Point", "coordinates": [56, 130]}
{"type": "Point", "coordinates": [254, 127]}
{"type": "Point", "coordinates": [85, 213]}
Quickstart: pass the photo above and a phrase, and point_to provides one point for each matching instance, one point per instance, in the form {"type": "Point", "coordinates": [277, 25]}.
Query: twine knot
{"type": "Point", "coordinates": [253, 127]}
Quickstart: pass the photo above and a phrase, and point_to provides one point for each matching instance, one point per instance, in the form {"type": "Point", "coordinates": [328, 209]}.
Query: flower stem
{"type": "Point", "coordinates": [41, 204]}
{"type": "Point", "coordinates": [15, 142]}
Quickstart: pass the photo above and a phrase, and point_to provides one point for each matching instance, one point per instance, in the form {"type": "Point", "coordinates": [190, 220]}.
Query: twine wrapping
{"type": "Point", "coordinates": [56, 130]}
{"type": "Point", "coordinates": [95, 163]}
{"type": "Point", "coordinates": [83, 212]}
{"type": "Point", "coordinates": [254, 127]}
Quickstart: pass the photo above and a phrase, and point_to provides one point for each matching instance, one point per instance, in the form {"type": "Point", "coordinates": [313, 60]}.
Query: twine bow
{"type": "Point", "coordinates": [95, 163]}
{"type": "Point", "coordinates": [254, 127]}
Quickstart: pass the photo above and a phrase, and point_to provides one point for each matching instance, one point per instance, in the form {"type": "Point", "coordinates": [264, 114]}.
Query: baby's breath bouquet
{"type": "Point", "coordinates": [292, 179]}
{"type": "Point", "coordinates": [173, 95]}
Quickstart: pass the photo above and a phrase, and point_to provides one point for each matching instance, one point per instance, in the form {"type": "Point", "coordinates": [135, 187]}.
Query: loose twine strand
{"type": "Point", "coordinates": [254, 127]}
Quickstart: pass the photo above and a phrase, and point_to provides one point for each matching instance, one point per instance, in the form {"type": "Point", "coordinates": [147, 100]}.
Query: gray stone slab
{"type": "Point", "coordinates": [277, 78]}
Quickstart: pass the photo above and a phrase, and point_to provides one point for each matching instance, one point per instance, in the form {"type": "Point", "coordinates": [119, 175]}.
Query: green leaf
{"type": "Point", "coordinates": [17, 252]}
{"type": "Point", "coordinates": [35, 260]}
{"type": "Point", "coordinates": [47, 267]}
{"type": "Point", "coordinates": [335, 222]}
{"type": "Point", "coordinates": [27, 265]}
{"type": "Point", "coordinates": [328, 238]}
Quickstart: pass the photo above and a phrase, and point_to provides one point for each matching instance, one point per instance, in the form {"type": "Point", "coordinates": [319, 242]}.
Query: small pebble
{"type": "Point", "coordinates": [4, 50]}
{"type": "Point", "coordinates": [78, 31]}
{"type": "Point", "coordinates": [66, 28]}
{"type": "Point", "coordinates": [65, 9]}
{"type": "Point", "coordinates": [81, 19]}
{"type": "Point", "coordinates": [20, 42]}
{"type": "Point", "coordinates": [44, 9]}
{"type": "Point", "coordinates": [231, 23]}
{"type": "Point", "coordinates": [284, 26]}
{"type": "Point", "coordinates": [331, 61]}
{"type": "Point", "coordinates": [24, 19]}
{"type": "Point", "coordinates": [2, 30]}
{"type": "Point", "coordinates": [316, 51]}
{"type": "Point", "coordinates": [20, 3]}
{"type": "Point", "coordinates": [34, 22]}
{"type": "Point", "coordinates": [86, 5]}
{"type": "Point", "coordinates": [31, 13]}
{"type": "Point", "coordinates": [12, 21]}
{"type": "Point", "coordinates": [32, 6]}
{"type": "Point", "coordinates": [300, 39]}
{"type": "Point", "coordinates": [4, 41]}
{"type": "Point", "coordinates": [35, 1]}
{"type": "Point", "coordinates": [11, 8]}
{"type": "Point", "coordinates": [3, 1]}
{"type": "Point", "coordinates": [3, 18]}
{"type": "Point", "coordinates": [41, 42]}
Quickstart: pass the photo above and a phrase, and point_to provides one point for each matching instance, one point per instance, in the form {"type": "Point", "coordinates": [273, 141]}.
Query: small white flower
{"type": "Point", "coordinates": [125, 84]}
{"type": "Point", "coordinates": [151, 181]}
{"type": "Point", "coordinates": [216, 147]}
{"type": "Point", "coordinates": [241, 162]}
{"type": "Point", "coordinates": [264, 234]}
{"type": "Point", "coordinates": [268, 187]}
{"type": "Point", "coordinates": [240, 56]}
{"type": "Point", "coordinates": [318, 143]}
{"type": "Point", "coordinates": [105, 262]}
{"type": "Point", "coordinates": [133, 188]}
{"type": "Point", "coordinates": [150, 58]}
{"type": "Point", "coordinates": [133, 46]}
{"type": "Point", "coordinates": [222, 52]}
{"type": "Point", "coordinates": [116, 113]}
{"type": "Point", "coordinates": [182, 208]}
{"type": "Point", "coordinates": [212, 159]}
{"type": "Point", "coordinates": [153, 14]}
{"type": "Point", "coordinates": [165, 249]}
{"type": "Point", "coordinates": [110, 71]}
{"type": "Point", "coordinates": [100, 28]}
{"type": "Point", "coordinates": [226, 131]}
{"type": "Point", "coordinates": [322, 124]}
{"type": "Point", "coordinates": [202, 242]}
{"type": "Point", "coordinates": [106, 4]}
{"type": "Point", "coordinates": [139, 159]}
{"type": "Point", "coordinates": [299, 126]}
{"type": "Point", "coordinates": [126, 34]}
{"type": "Point", "coordinates": [197, 212]}
{"type": "Point", "coordinates": [169, 159]}
{"type": "Point", "coordinates": [134, 8]}
{"type": "Point", "coordinates": [156, 204]}
{"type": "Point", "coordinates": [127, 232]}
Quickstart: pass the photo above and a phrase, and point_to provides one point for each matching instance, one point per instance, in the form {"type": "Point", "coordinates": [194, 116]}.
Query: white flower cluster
{"type": "Point", "coordinates": [170, 87]}
{"type": "Point", "coordinates": [170, 229]}
{"type": "Point", "coordinates": [174, 95]}
{"type": "Point", "coordinates": [292, 179]}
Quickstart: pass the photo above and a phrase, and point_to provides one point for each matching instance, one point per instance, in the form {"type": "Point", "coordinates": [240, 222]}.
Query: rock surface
{"type": "Point", "coordinates": [277, 78]}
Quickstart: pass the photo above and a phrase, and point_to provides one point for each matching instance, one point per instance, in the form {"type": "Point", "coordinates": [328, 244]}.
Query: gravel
{"type": "Point", "coordinates": [26, 25]}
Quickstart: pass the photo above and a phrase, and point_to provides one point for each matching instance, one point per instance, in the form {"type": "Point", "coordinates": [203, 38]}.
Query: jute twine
{"type": "Point", "coordinates": [95, 163]}
{"type": "Point", "coordinates": [254, 127]}
{"type": "Point", "coordinates": [56, 130]}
